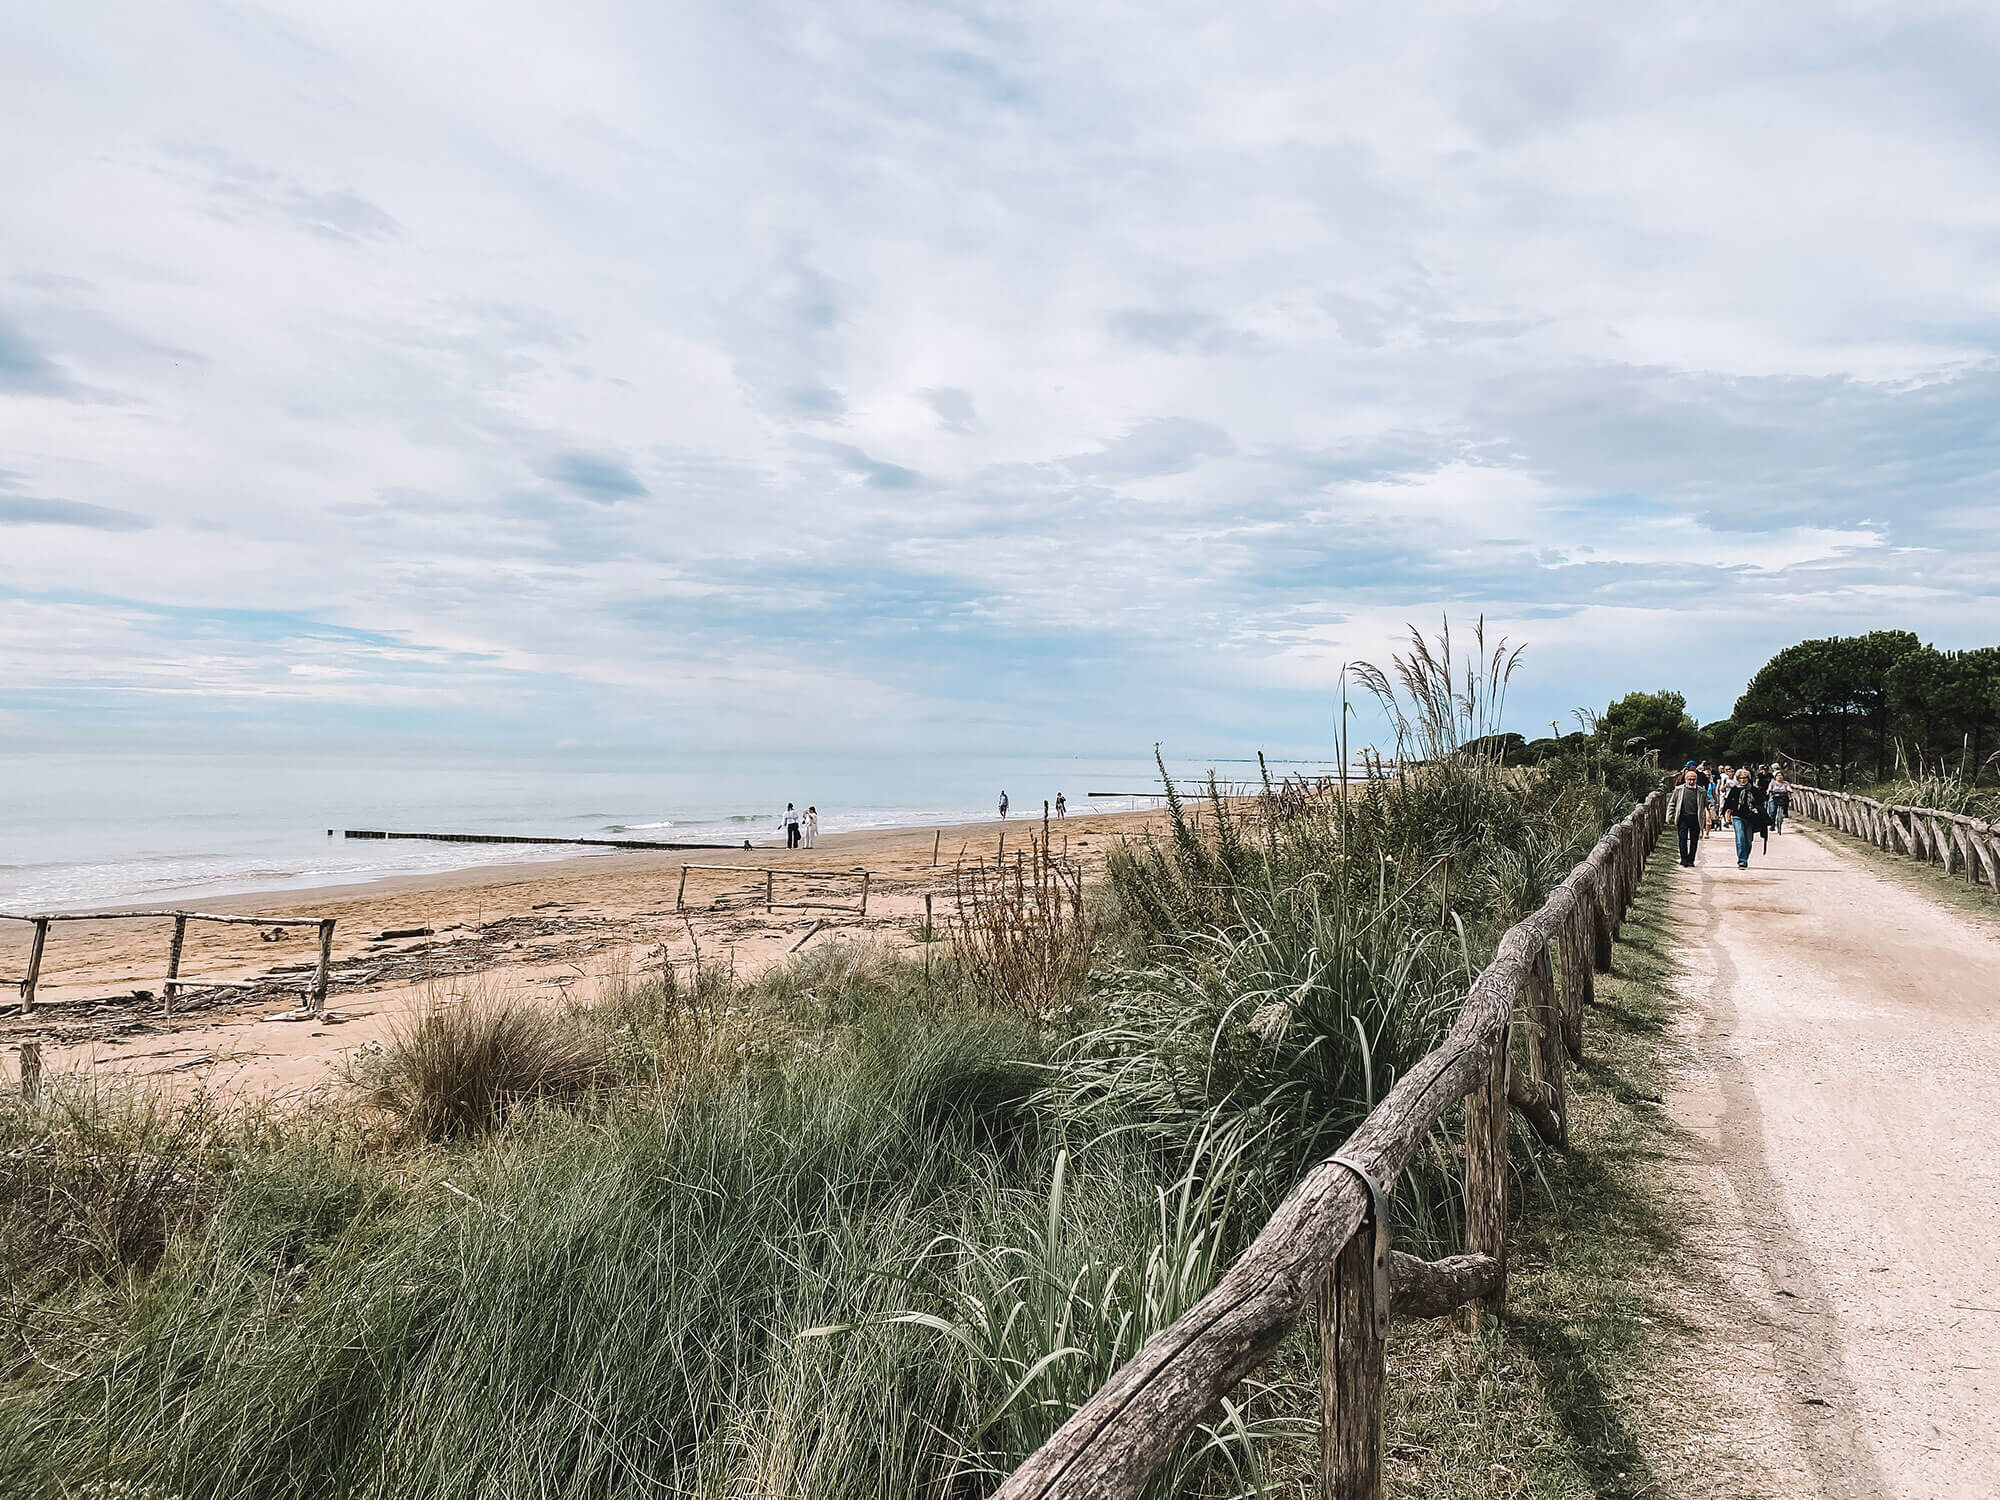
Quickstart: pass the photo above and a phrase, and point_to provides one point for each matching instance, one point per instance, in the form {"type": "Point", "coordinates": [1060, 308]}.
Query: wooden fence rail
{"type": "Point", "coordinates": [38, 947]}
{"type": "Point", "coordinates": [1963, 845]}
{"type": "Point", "coordinates": [1312, 1252]}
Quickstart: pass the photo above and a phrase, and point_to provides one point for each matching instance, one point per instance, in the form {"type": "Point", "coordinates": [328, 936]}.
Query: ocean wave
{"type": "Point", "coordinates": [637, 827]}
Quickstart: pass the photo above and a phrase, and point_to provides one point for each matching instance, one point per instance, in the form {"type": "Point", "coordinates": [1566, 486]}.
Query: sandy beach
{"type": "Point", "coordinates": [546, 930]}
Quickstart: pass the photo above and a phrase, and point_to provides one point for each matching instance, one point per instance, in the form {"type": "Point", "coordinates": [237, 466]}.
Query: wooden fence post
{"type": "Point", "coordinates": [769, 891]}
{"type": "Point", "coordinates": [1486, 1171]}
{"type": "Point", "coordinates": [680, 895]}
{"type": "Point", "coordinates": [31, 1071]}
{"type": "Point", "coordinates": [323, 975]}
{"type": "Point", "coordinates": [174, 965]}
{"type": "Point", "coordinates": [864, 893]}
{"type": "Point", "coordinates": [1601, 927]}
{"type": "Point", "coordinates": [1546, 1040]}
{"type": "Point", "coordinates": [1351, 1360]}
{"type": "Point", "coordinates": [34, 975]}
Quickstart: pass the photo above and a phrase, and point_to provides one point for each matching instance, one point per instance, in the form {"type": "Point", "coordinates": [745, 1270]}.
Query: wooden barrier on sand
{"type": "Point", "coordinates": [1959, 843]}
{"type": "Point", "coordinates": [1312, 1254]}
{"type": "Point", "coordinates": [38, 947]}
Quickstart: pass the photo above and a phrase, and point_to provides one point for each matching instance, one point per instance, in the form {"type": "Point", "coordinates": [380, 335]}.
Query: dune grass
{"type": "Point", "coordinates": [859, 1228]}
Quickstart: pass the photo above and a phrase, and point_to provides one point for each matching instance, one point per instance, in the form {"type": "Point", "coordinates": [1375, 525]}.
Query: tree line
{"type": "Point", "coordinates": [1872, 706]}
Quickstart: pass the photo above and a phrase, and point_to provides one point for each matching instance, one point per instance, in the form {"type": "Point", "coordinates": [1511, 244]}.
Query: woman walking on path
{"type": "Point", "coordinates": [812, 826]}
{"type": "Point", "coordinates": [1686, 811]}
{"type": "Point", "coordinates": [1780, 802]}
{"type": "Point", "coordinates": [1739, 808]}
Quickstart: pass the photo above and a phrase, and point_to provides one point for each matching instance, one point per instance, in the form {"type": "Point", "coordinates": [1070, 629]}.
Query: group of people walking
{"type": "Point", "coordinates": [1753, 802]}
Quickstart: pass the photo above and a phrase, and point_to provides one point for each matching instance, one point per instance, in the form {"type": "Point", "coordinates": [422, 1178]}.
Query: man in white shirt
{"type": "Point", "coordinates": [791, 826]}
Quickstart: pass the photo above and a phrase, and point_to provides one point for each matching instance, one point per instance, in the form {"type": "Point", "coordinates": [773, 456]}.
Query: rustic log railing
{"type": "Point", "coordinates": [1312, 1251]}
{"type": "Point", "coordinates": [1963, 845]}
{"type": "Point", "coordinates": [315, 993]}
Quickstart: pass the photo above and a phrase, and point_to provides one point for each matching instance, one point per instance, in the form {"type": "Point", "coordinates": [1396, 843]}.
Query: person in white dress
{"type": "Point", "coordinates": [812, 826]}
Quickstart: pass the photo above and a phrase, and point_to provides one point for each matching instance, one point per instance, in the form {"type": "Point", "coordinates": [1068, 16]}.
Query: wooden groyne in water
{"type": "Point", "coordinates": [522, 838]}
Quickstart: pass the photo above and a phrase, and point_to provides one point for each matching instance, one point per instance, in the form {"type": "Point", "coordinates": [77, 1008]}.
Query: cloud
{"type": "Point", "coordinates": [954, 409]}
{"type": "Point", "coordinates": [26, 370]}
{"type": "Point", "coordinates": [595, 477]}
{"type": "Point", "coordinates": [932, 375]}
{"type": "Point", "coordinates": [29, 511]}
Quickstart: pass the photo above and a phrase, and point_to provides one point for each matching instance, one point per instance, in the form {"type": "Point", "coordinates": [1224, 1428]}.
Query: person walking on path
{"type": "Point", "coordinates": [1003, 802]}
{"type": "Point", "coordinates": [791, 826]}
{"type": "Point", "coordinates": [1740, 810]}
{"type": "Point", "coordinates": [1780, 799]}
{"type": "Point", "coordinates": [1686, 811]}
{"type": "Point", "coordinates": [811, 826]}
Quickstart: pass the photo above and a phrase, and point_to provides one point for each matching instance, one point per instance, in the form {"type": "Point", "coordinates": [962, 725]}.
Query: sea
{"type": "Point", "coordinates": [87, 831]}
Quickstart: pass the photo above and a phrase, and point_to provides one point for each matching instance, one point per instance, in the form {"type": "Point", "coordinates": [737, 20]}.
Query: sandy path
{"type": "Point", "coordinates": [546, 929]}
{"type": "Point", "coordinates": [1845, 1177]}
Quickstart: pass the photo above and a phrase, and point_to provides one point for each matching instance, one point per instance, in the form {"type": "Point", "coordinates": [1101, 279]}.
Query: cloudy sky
{"type": "Point", "coordinates": [1024, 376]}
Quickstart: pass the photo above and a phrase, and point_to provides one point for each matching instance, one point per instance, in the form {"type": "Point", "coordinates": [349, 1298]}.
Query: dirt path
{"type": "Point", "coordinates": [1844, 1173]}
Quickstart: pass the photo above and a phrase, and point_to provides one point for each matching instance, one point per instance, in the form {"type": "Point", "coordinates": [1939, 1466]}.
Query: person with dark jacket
{"type": "Point", "coordinates": [1742, 810]}
{"type": "Point", "coordinates": [1778, 799]}
{"type": "Point", "coordinates": [1687, 810]}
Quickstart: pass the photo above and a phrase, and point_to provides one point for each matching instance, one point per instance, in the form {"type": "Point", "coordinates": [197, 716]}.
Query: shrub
{"type": "Point", "coordinates": [459, 1070]}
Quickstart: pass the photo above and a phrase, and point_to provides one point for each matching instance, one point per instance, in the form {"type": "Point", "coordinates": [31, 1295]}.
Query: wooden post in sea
{"type": "Point", "coordinates": [174, 964]}
{"type": "Point", "coordinates": [31, 1071]}
{"type": "Point", "coordinates": [34, 974]}
{"type": "Point", "coordinates": [323, 975]}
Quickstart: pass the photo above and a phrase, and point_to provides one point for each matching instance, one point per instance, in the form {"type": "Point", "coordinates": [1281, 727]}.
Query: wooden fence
{"type": "Point", "coordinates": [1312, 1254]}
{"type": "Point", "coordinates": [38, 946]}
{"type": "Point", "coordinates": [1961, 844]}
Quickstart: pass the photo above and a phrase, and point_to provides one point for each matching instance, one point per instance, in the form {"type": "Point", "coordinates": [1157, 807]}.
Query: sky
{"type": "Point", "coordinates": [955, 377]}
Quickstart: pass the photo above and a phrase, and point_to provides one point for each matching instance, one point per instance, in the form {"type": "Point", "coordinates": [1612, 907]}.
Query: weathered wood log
{"type": "Point", "coordinates": [1546, 1097]}
{"type": "Point", "coordinates": [1351, 1358]}
{"type": "Point", "coordinates": [324, 971]}
{"type": "Point", "coordinates": [1486, 1170]}
{"type": "Point", "coordinates": [1532, 1098]}
{"type": "Point", "coordinates": [1433, 1288]}
{"type": "Point", "coordinates": [173, 966]}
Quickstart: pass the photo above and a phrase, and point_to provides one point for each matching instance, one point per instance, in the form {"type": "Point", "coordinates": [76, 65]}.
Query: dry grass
{"type": "Point", "coordinates": [460, 1069]}
{"type": "Point", "coordinates": [1018, 929]}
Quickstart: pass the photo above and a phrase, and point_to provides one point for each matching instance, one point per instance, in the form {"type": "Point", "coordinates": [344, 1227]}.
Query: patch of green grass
{"type": "Point", "coordinates": [1540, 1403]}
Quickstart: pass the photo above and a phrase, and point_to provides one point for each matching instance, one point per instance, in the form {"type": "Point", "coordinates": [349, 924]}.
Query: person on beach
{"type": "Point", "coordinates": [1740, 810]}
{"type": "Point", "coordinates": [791, 826]}
{"type": "Point", "coordinates": [1687, 811]}
{"type": "Point", "coordinates": [1003, 803]}
{"type": "Point", "coordinates": [812, 827]}
{"type": "Point", "coordinates": [1062, 806]}
{"type": "Point", "coordinates": [1778, 799]}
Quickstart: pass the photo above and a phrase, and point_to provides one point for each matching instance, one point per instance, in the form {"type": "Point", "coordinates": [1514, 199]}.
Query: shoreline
{"type": "Point", "coordinates": [554, 931]}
